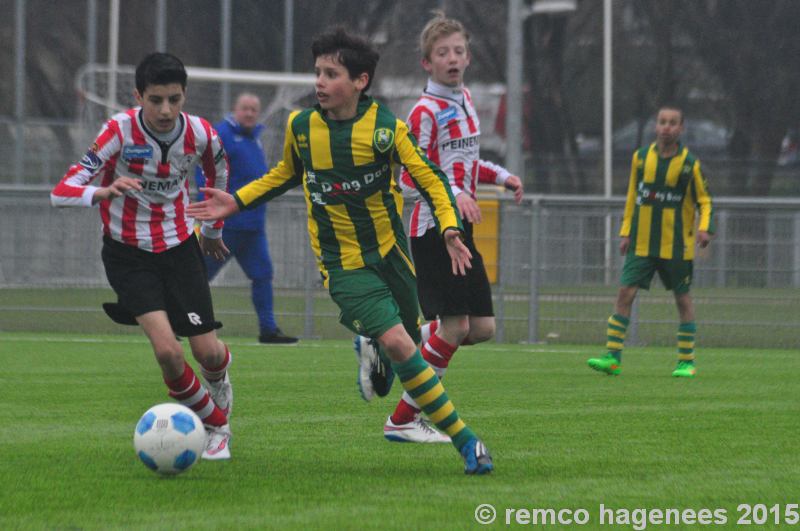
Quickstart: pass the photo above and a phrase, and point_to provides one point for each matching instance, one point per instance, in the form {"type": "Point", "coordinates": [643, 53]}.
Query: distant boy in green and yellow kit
{"type": "Point", "coordinates": [666, 189]}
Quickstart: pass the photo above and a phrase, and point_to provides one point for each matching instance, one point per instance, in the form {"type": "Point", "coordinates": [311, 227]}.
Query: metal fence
{"type": "Point", "coordinates": [556, 261]}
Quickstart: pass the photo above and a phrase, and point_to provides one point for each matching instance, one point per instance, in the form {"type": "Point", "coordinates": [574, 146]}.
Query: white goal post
{"type": "Point", "coordinates": [210, 94]}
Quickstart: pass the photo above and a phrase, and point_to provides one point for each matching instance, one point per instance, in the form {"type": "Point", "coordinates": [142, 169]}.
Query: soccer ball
{"type": "Point", "coordinates": [169, 438]}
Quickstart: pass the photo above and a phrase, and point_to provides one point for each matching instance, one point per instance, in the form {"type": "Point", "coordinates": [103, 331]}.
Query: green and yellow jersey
{"type": "Point", "coordinates": [345, 168]}
{"type": "Point", "coordinates": [663, 196]}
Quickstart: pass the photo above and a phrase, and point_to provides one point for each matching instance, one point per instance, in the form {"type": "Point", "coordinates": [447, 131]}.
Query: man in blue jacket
{"type": "Point", "coordinates": [244, 234]}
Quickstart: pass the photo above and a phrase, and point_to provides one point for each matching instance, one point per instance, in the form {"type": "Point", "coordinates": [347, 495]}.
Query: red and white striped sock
{"type": "Point", "coordinates": [214, 374]}
{"type": "Point", "coordinates": [190, 392]}
{"type": "Point", "coordinates": [427, 330]}
{"type": "Point", "coordinates": [437, 352]}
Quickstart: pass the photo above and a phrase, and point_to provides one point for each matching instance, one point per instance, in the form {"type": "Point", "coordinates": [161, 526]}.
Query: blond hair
{"type": "Point", "coordinates": [436, 28]}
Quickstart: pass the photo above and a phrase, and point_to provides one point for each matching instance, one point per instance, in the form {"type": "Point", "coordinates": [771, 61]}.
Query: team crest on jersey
{"type": "Point", "coordinates": [383, 139]}
{"type": "Point", "coordinates": [137, 151]}
{"type": "Point", "coordinates": [302, 141]}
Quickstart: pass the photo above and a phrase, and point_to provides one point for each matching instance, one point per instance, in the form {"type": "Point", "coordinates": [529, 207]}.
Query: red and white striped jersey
{"type": "Point", "coordinates": [447, 128]}
{"type": "Point", "coordinates": [154, 219]}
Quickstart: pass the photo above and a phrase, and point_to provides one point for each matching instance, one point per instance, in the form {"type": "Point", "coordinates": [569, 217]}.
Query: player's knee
{"type": "Point", "coordinates": [397, 343]}
{"type": "Point", "coordinates": [169, 354]}
{"type": "Point", "coordinates": [480, 332]}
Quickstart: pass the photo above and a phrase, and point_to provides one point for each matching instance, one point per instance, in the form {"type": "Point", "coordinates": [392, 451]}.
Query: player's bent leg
{"type": "Point", "coordinates": [438, 353]}
{"type": "Point", "coordinates": [206, 348]}
{"type": "Point", "coordinates": [167, 349]}
{"type": "Point", "coordinates": [424, 386]}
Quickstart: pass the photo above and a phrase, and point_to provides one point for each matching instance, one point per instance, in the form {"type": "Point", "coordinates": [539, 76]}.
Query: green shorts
{"type": "Point", "coordinates": [639, 270]}
{"type": "Point", "coordinates": [375, 298]}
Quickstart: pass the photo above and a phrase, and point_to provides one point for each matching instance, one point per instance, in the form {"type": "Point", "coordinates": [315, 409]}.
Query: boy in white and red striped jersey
{"type": "Point", "coordinates": [447, 128]}
{"type": "Point", "coordinates": [143, 159]}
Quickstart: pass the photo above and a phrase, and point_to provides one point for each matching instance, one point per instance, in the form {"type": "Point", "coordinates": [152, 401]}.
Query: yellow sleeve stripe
{"type": "Point", "coordinates": [630, 200]}
{"type": "Point", "coordinates": [651, 164]}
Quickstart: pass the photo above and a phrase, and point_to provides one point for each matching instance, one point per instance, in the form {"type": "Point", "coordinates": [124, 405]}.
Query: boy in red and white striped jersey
{"type": "Point", "coordinates": [447, 128]}
{"type": "Point", "coordinates": [143, 159]}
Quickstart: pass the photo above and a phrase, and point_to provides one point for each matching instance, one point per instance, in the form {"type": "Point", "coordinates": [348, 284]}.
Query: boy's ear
{"type": "Point", "coordinates": [361, 81]}
{"type": "Point", "coordinates": [137, 96]}
{"type": "Point", "coordinates": [426, 64]}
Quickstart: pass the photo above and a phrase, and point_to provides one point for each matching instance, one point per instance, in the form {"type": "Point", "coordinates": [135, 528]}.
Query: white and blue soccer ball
{"type": "Point", "coordinates": [169, 438]}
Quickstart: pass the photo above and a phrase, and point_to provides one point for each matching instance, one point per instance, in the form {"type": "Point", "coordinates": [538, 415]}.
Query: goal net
{"type": "Point", "coordinates": [210, 93]}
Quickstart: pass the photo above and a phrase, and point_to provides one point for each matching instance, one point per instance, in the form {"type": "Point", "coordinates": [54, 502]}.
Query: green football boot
{"type": "Point", "coordinates": [607, 364]}
{"type": "Point", "coordinates": [685, 369]}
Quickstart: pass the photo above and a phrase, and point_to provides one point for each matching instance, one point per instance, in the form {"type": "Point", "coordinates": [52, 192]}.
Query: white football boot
{"type": "Point", "coordinates": [418, 430]}
{"type": "Point", "coordinates": [218, 443]}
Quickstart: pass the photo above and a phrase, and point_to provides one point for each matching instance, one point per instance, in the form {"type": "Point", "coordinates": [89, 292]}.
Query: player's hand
{"type": "Point", "coordinates": [703, 239]}
{"type": "Point", "coordinates": [514, 183]}
{"type": "Point", "coordinates": [459, 254]}
{"type": "Point", "coordinates": [468, 207]}
{"type": "Point", "coordinates": [217, 205]}
{"type": "Point", "coordinates": [118, 188]}
{"type": "Point", "coordinates": [623, 245]}
{"type": "Point", "coordinates": [213, 247]}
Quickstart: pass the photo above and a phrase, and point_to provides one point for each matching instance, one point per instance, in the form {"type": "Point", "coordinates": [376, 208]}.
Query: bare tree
{"type": "Point", "coordinates": [752, 47]}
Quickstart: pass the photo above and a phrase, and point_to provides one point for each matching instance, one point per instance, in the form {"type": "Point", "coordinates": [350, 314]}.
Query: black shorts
{"type": "Point", "coordinates": [440, 292]}
{"type": "Point", "coordinates": [174, 281]}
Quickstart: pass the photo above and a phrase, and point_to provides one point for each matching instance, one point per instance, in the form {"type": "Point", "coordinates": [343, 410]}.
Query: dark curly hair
{"type": "Point", "coordinates": [355, 53]}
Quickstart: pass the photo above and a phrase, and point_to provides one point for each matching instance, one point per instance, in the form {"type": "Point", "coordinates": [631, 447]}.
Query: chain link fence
{"type": "Point", "coordinates": [553, 259]}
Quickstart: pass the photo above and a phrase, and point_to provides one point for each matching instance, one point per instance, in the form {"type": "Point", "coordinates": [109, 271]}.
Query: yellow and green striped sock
{"type": "Point", "coordinates": [615, 335]}
{"type": "Point", "coordinates": [423, 385]}
{"type": "Point", "coordinates": [686, 332]}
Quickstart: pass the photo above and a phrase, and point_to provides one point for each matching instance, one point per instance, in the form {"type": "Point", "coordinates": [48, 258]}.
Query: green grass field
{"type": "Point", "coordinates": [309, 454]}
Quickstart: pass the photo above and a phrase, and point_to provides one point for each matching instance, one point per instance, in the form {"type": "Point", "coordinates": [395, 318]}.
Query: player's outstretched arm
{"type": "Point", "coordinates": [218, 205]}
{"type": "Point", "coordinates": [459, 254]}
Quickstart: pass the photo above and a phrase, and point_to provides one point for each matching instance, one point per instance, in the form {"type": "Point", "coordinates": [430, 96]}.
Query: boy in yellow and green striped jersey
{"type": "Point", "coordinates": [659, 233]}
{"type": "Point", "coordinates": [341, 152]}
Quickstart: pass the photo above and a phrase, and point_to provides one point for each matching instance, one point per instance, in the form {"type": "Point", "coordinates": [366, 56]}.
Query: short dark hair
{"type": "Point", "coordinates": [160, 69]}
{"type": "Point", "coordinates": [355, 53]}
{"type": "Point", "coordinates": [671, 105]}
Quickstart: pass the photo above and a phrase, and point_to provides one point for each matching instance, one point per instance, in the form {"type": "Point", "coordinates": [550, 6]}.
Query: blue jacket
{"type": "Point", "coordinates": [247, 163]}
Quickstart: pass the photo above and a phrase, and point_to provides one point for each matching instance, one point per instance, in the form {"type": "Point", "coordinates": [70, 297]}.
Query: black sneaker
{"type": "Point", "coordinates": [277, 337]}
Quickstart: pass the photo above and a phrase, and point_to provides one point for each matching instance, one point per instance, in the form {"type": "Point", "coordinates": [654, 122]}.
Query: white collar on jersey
{"type": "Point", "coordinates": [443, 91]}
